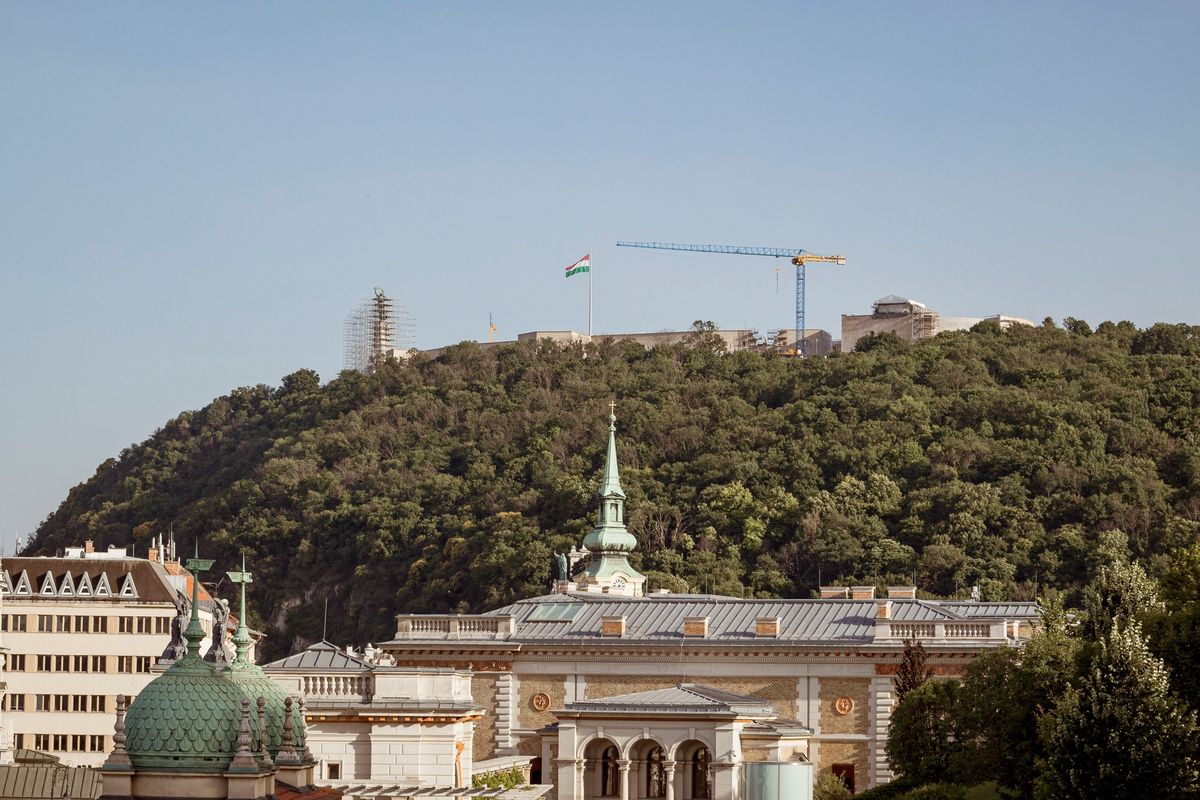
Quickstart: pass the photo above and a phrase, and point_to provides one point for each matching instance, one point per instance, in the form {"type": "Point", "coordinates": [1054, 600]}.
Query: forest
{"type": "Point", "coordinates": [1021, 462]}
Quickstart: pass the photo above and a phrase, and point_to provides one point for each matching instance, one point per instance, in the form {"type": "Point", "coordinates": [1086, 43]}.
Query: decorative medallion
{"type": "Point", "coordinates": [540, 701]}
{"type": "Point", "coordinates": [843, 705]}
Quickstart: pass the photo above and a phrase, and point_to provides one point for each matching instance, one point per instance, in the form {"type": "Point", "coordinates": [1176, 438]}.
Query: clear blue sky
{"type": "Point", "coordinates": [193, 196]}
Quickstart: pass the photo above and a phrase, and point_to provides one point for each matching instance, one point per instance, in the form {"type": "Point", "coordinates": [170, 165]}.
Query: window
{"type": "Point", "coordinates": [333, 770]}
{"type": "Point", "coordinates": [41, 702]}
{"type": "Point", "coordinates": [99, 702]}
{"type": "Point", "coordinates": [81, 624]}
{"type": "Point", "coordinates": [62, 702]}
{"type": "Point", "coordinates": [162, 624]}
{"type": "Point", "coordinates": [701, 790]}
{"type": "Point", "coordinates": [79, 664]}
{"type": "Point", "coordinates": [45, 623]}
{"type": "Point", "coordinates": [4, 622]}
{"type": "Point", "coordinates": [96, 744]}
{"type": "Point", "coordinates": [63, 623]}
{"type": "Point", "coordinates": [14, 702]}
{"type": "Point", "coordinates": [60, 742]}
{"type": "Point", "coordinates": [44, 663]}
{"type": "Point", "coordinates": [846, 773]}
{"type": "Point", "coordinates": [99, 663]}
{"type": "Point", "coordinates": [143, 624]}
{"type": "Point", "coordinates": [609, 785]}
{"type": "Point", "coordinates": [16, 662]}
{"type": "Point", "coordinates": [78, 742]}
{"type": "Point", "coordinates": [656, 774]}
{"type": "Point", "coordinates": [19, 623]}
{"type": "Point", "coordinates": [100, 624]}
{"type": "Point", "coordinates": [143, 663]}
{"type": "Point", "coordinates": [19, 741]}
{"type": "Point", "coordinates": [124, 663]}
{"type": "Point", "coordinates": [124, 624]}
{"type": "Point", "coordinates": [41, 741]}
{"type": "Point", "coordinates": [62, 663]}
{"type": "Point", "coordinates": [79, 702]}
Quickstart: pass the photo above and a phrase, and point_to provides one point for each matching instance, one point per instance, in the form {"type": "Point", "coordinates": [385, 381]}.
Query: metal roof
{"type": "Point", "coordinates": [321, 656]}
{"type": "Point", "coordinates": [659, 618]}
{"type": "Point", "coordinates": [683, 698]}
{"type": "Point", "coordinates": [48, 782]}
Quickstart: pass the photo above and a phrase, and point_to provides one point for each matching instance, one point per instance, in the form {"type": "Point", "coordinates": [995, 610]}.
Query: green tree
{"type": "Point", "coordinates": [923, 740]}
{"type": "Point", "coordinates": [1121, 733]}
{"type": "Point", "coordinates": [1120, 594]}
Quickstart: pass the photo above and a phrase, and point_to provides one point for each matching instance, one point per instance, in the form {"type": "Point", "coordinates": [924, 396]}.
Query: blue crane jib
{"type": "Point", "coordinates": [798, 256]}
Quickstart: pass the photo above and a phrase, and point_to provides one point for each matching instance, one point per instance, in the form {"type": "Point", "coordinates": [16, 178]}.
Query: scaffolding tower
{"type": "Point", "coordinates": [374, 331]}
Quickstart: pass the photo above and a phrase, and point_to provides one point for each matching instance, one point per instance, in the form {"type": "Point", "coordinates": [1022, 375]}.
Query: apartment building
{"type": "Point", "coordinates": [80, 630]}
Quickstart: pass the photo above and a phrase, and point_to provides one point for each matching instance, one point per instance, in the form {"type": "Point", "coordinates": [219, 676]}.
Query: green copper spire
{"type": "Point", "coordinates": [241, 637]}
{"type": "Point", "coordinates": [611, 485]}
{"type": "Point", "coordinates": [609, 543]}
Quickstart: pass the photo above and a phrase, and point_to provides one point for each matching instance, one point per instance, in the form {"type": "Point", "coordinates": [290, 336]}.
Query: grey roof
{"type": "Point", "coordinates": [659, 618]}
{"type": "Point", "coordinates": [683, 698]}
{"type": "Point", "coordinates": [321, 656]}
{"type": "Point", "coordinates": [48, 782]}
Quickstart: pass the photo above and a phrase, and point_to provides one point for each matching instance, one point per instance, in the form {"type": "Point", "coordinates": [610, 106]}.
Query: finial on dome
{"type": "Point", "coordinates": [119, 757]}
{"type": "Point", "coordinates": [194, 632]}
{"type": "Point", "coordinates": [243, 760]}
{"type": "Point", "coordinates": [241, 637]}
{"type": "Point", "coordinates": [264, 755]}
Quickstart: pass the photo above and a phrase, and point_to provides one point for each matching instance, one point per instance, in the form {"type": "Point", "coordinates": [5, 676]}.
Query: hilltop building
{"type": "Point", "coordinates": [910, 320]}
{"type": "Point", "coordinates": [816, 341]}
{"type": "Point", "coordinates": [615, 691]}
{"type": "Point", "coordinates": [81, 630]}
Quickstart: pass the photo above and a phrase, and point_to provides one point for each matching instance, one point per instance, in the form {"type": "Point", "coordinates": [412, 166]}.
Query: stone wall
{"type": "Point", "coordinates": [844, 753]}
{"type": "Point", "coordinates": [842, 720]}
{"type": "Point", "coordinates": [528, 688]}
{"type": "Point", "coordinates": [483, 693]}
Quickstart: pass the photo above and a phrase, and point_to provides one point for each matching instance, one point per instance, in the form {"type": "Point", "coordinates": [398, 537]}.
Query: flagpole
{"type": "Point", "coordinates": [589, 292]}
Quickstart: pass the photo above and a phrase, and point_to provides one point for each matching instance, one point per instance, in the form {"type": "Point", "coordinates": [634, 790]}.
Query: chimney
{"type": "Point", "coordinates": [89, 547]}
{"type": "Point", "coordinates": [862, 592]}
{"type": "Point", "coordinates": [834, 593]}
{"type": "Point", "coordinates": [612, 626]}
{"type": "Point", "coordinates": [695, 627]}
{"type": "Point", "coordinates": [152, 554]}
{"type": "Point", "coordinates": [902, 592]}
{"type": "Point", "coordinates": [883, 609]}
{"type": "Point", "coordinates": [767, 627]}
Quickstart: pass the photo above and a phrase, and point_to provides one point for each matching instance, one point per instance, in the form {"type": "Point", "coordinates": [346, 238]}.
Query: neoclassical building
{"type": "Point", "coordinates": [563, 678]}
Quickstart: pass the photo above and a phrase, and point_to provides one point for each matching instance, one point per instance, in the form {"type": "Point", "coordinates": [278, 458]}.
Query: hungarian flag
{"type": "Point", "coordinates": [582, 265]}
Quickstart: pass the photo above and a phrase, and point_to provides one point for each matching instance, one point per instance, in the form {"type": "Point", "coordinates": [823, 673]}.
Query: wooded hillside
{"type": "Point", "coordinates": [1020, 461]}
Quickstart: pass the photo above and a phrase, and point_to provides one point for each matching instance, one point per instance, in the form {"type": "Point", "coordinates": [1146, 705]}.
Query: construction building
{"type": "Point", "coordinates": [910, 320]}
{"type": "Point", "coordinates": [374, 331]}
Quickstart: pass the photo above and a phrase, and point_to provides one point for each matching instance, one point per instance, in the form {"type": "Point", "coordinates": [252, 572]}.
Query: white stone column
{"type": "Point", "coordinates": [726, 762]}
{"type": "Point", "coordinates": [669, 773]}
{"type": "Point", "coordinates": [623, 766]}
{"type": "Point", "coordinates": [880, 719]}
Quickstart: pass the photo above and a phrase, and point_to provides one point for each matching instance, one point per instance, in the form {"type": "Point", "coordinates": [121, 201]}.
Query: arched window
{"type": "Point", "coordinates": [700, 787]}
{"type": "Point", "coordinates": [656, 774]}
{"type": "Point", "coordinates": [609, 785]}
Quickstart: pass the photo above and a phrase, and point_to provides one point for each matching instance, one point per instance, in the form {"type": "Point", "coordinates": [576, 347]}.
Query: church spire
{"type": "Point", "coordinates": [609, 543]}
{"type": "Point", "coordinates": [611, 485]}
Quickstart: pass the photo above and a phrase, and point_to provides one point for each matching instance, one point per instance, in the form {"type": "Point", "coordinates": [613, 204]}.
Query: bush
{"type": "Point", "coordinates": [506, 779]}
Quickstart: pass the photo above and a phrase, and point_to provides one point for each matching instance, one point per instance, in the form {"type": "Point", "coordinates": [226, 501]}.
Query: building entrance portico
{"type": "Point", "coordinates": [688, 742]}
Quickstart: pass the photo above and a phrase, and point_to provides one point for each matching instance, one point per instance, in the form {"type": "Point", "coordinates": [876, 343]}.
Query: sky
{"type": "Point", "coordinates": [194, 196]}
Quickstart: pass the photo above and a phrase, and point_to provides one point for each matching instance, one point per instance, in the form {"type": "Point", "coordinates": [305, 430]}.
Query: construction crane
{"type": "Point", "coordinates": [799, 258]}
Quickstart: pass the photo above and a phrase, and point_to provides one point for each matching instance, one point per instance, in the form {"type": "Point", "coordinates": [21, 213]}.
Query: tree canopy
{"type": "Point", "coordinates": [1018, 461]}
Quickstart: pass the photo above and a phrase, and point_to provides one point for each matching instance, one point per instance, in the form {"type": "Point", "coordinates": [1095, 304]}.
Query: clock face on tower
{"type": "Point", "coordinates": [618, 582]}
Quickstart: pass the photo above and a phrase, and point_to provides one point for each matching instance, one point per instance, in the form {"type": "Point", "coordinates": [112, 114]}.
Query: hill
{"type": "Point", "coordinates": [1017, 461]}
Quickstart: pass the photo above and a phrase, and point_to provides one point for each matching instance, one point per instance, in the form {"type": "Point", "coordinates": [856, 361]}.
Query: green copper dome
{"type": "Point", "coordinates": [610, 534]}
{"type": "Point", "coordinates": [187, 719]}
{"type": "Point", "coordinates": [253, 683]}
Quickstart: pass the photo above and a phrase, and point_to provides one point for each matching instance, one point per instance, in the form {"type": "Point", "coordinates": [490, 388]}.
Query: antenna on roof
{"type": "Point", "coordinates": [325, 621]}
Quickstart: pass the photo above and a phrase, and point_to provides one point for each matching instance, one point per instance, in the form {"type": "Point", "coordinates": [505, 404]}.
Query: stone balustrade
{"type": "Point", "coordinates": [926, 631]}
{"type": "Point", "coordinates": [453, 626]}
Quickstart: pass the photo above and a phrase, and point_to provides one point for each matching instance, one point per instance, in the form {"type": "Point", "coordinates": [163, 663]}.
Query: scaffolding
{"type": "Point", "coordinates": [374, 331]}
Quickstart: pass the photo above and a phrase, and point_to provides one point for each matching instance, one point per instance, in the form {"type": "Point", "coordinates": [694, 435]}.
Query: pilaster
{"type": "Point", "coordinates": [506, 712]}
{"type": "Point", "coordinates": [882, 702]}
